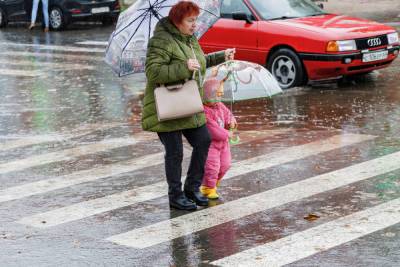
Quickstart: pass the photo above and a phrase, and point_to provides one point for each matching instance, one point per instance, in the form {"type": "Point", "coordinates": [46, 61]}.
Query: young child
{"type": "Point", "coordinates": [219, 121]}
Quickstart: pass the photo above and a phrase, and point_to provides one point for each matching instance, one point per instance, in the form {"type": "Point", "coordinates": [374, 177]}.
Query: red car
{"type": "Point", "coordinates": [299, 42]}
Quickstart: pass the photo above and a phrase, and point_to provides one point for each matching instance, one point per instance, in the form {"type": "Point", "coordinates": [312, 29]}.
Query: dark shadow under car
{"type": "Point", "coordinates": [61, 12]}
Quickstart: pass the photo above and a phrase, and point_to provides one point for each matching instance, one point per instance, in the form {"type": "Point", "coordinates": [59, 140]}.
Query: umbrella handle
{"type": "Point", "coordinates": [234, 140]}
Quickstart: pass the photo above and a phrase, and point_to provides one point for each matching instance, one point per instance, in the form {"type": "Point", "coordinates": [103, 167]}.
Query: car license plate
{"type": "Point", "coordinates": [374, 56]}
{"type": "Point", "coordinates": [100, 10]}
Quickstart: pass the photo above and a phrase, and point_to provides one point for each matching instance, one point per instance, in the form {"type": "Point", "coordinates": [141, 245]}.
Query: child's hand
{"type": "Point", "coordinates": [233, 125]}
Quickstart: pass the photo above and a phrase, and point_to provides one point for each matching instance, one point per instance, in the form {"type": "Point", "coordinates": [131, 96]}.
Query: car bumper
{"type": "Point", "coordinates": [114, 13]}
{"type": "Point", "coordinates": [89, 9]}
{"type": "Point", "coordinates": [327, 66]}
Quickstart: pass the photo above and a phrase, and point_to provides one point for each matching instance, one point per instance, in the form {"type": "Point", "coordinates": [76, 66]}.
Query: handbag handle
{"type": "Point", "coordinates": [194, 72]}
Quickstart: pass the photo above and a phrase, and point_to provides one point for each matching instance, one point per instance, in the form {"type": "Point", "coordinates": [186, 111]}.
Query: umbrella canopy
{"type": "Point", "coordinates": [244, 80]}
{"type": "Point", "coordinates": [127, 46]}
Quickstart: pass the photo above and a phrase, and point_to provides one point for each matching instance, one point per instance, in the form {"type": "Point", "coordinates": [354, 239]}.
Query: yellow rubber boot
{"type": "Point", "coordinates": [218, 183]}
{"type": "Point", "coordinates": [210, 193]}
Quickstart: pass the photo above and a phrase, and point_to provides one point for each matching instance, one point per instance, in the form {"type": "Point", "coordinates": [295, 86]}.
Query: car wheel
{"type": "Point", "coordinates": [107, 21]}
{"type": "Point", "coordinates": [57, 19]}
{"type": "Point", "coordinates": [3, 18]}
{"type": "Point", "coordinates": [287, 68]}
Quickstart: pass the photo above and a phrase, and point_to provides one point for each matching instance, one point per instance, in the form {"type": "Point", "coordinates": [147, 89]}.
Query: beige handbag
{"type": "Point", "coordinates": [178, 101]}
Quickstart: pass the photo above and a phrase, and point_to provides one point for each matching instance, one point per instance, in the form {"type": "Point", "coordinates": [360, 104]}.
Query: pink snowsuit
{"type": "Point", "coordinates": [218, 118]}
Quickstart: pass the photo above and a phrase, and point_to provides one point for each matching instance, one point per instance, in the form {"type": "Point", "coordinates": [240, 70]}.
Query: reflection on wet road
{"type": "Point", "coordinates": [82, 185]}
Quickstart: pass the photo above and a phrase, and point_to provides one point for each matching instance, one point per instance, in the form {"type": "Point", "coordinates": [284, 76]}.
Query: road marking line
{"type": "Point", "coordinates": [22, 73]}
{"type": "Point", "coordinates": [317, 239]}
{"type": "Point", "coordinates": [57, 47]}
{"type": "Point", "coordinates": [99, 43]}
{"type": "Point", "coordinates": [67, 154]}
{"type": "Point", "coordinates": [43, 186]}
{"type": "Point", "coordinates": [35, 140]}
{"type": "Point", "coordinates": [137, 195]}
{"type": "Point", "coordinates": [27, 141]}
{"type": "Point", "coordinates": [187, 224]}
{"type": "Point", "coordinates": [34, 55]}
{"type": "Point", "coordinates": [42, 65]}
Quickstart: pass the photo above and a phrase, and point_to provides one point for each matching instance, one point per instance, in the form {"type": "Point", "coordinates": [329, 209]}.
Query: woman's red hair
{"type": "Point", "coordinates": [182, 10]}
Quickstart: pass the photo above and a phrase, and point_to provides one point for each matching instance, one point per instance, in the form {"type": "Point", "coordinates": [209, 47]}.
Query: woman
{"type": "Point", "coordinates": [45, 11]}
{"type": "Point", "coordinates": [170, 60]}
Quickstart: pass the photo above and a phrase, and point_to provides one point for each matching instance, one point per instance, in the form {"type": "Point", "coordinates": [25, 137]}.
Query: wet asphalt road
{"type": "Point", "coordinates": [82, 185]}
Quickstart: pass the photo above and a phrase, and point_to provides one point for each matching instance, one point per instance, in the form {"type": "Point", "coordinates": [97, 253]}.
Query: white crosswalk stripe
{"type": "Point", "coordinates": [43, 186]}
{"type": "Point", "coordinates": [64, 56]}
{"type": "Point", "coordinates": [42, 65]}
{"type": "Point", "coordinates": [20, 73]}
{"type": "Point", "coordinates": [67, 154]}
{"type": "Point", "coordinates": [95, 43]}
{"type": "Point", "coordinates": [19, 141]}
{"type": "Point", "coordinates": [96, 206]}
{"type": "Point", "coordinates": [56, 47]}
{"type": "Point", "coordinates": [90, 175]}
{"type": "Point", "coordinates": [187, 224]}
{"type": "Point", "coordinates": [317, 239]}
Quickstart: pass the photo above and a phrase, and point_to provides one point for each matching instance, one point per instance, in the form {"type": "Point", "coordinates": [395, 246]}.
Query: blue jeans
{"type": "Point", "coordinates": [45, 10]}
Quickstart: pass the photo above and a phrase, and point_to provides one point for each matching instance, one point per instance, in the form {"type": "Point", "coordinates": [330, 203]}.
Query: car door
{"type": "Point", "coordinates": [228, 33]}
{"type": "Point", "coordinates": [16, 9]}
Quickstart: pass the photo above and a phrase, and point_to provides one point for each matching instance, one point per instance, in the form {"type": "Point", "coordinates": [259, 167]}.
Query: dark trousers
{"type": "Point", "coordinates": [200, 140]}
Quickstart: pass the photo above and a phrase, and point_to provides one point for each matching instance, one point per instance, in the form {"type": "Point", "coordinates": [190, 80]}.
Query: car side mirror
{"type": "Point", "coordinates": [242, 16]}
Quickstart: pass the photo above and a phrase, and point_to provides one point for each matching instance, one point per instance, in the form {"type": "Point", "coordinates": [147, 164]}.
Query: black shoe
{"type": "Point", "coordinates": [197, 197]}
{"type": "Point", "coordinates": [182, 203]}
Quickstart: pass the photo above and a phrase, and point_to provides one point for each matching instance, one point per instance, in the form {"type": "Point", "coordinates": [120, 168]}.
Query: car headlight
{"type": "Point", "coordinates": [341, 46]}
{"type": "Point", "coordinates": [393, 38]}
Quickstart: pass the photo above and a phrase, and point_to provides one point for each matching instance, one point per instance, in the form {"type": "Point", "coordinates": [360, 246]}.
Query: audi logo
{"type": "Point", "coordinates": [374, 42]}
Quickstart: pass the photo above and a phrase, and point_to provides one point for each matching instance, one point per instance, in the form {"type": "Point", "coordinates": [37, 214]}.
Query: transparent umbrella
{"type": "Point", "coordinates": [244, 80]}
{"type": "Point", "coordinates": [127, 45]}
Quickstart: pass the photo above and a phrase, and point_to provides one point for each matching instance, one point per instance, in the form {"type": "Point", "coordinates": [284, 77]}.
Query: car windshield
{"type": "Point", "coordinates": [285, 9]}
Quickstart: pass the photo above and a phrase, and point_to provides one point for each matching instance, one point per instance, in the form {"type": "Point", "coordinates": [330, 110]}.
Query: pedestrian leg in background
{"type": "Point", "coordinates": [45, 10]}
{"type": "Point", "coordinates": [35, 5]}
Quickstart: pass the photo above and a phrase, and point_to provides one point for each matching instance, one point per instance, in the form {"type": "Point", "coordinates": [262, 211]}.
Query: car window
{"type": "Point", "coordinates": [231, 6]}
{"type": "Point", "coordinates": [271, 9]}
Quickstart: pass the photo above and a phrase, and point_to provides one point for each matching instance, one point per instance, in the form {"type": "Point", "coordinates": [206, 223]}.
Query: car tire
{"type": "Point", "coordinates": [3, 18]}
{"type": "Point", "coordinates": [107, 21]}
{"type": "Point", "coordinates": [57, 19]}
{"type": "Point", "coordinates": [287, 68]}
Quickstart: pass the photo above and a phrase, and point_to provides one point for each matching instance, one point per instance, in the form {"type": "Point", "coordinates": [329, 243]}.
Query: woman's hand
{"type": "Point", "coordinates": [230, 54]}
{"type": "Point", "coordinates": [193, 64]}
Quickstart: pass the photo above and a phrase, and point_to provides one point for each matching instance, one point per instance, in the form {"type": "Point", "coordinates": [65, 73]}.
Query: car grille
{"type": "Point", "coordinates": [371, 42]}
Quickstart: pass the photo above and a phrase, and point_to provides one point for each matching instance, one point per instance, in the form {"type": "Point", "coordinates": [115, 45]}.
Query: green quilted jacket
{"type": "Point", "coordinates": [166, 63]}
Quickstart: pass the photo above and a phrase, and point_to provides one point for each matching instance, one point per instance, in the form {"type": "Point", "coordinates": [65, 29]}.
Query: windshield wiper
{"type": "Point", "coordinates": [317, 14]}
{"type": "Point", "coordinates": [283, 17]}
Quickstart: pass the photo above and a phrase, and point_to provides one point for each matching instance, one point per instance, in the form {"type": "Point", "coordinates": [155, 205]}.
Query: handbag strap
{"type": "Point", "coordinates": [194, 72]}
{"type": "Point", "coordinates": [194, 55]}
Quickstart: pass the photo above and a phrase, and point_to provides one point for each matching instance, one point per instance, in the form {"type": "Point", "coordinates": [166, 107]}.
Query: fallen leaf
{"type": "Point", "coordinates": [312, 217]}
